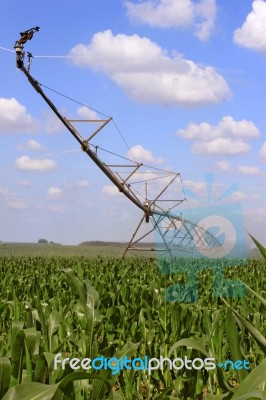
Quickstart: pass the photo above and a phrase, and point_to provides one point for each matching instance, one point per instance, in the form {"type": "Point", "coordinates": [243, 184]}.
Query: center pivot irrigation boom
{"type": "Point", "coordinates": [174, 232]}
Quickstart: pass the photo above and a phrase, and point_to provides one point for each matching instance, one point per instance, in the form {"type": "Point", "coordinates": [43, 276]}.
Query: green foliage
{"type": "Point", "coordinates": [261, 248]}
{"type": "Point", "coordinates": [87, 307]}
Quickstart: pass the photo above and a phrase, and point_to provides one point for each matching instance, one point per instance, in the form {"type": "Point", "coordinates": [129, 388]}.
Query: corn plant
{"type": "Point", "coordinates": [87, 307]}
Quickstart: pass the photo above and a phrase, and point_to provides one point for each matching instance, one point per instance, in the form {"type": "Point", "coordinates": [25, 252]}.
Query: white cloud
{"type": "Point", "coordinates": [34, 145]}
{"type": "Point", "coordinates": [31, 145]}
{"type": "Point", "coordinates": [11, 200]}
{"type": "Point", "coordinates": [226, 138]}
{"type": "Point", "coordinates": [205, 12]}
{"type": "Point", "coordinates": [196, 192]}
{"type": "Point", "coordinates": [240, 196]}
{"type": "Point", "coordinates": [54, 193]}
{"type": "Point", "coordinates": [52, 124]}
{"type": "Point", "coordinates": [84, 183]}
{"type": "Point", "coordinates": [110, 190]}
{"type": "Point", "coordinates": [259, 212]}
{"type": "Point", "coordinates": [252, 32]}
{"type": "Point", "coordinates": [263, 152]}
{"type": "Point", "coordinates": [195, 186]}
{"type": "Point", "coordinates": [223, 165]}
{"type": "Point", "coordinates": [200, 16]}
{"type": "Point", "coordinates": [148, 73]}
{"type": "Point", "coordinates": [199, 192]}
{"type": "Point", "coordinates": [68, 151]}
{"type": "Point", "coordinates": [221, 146]}
{"type": "Point", "coordinates": [227, 128]}
{"type": "Point", "coordinates": [14, 117]}
{"type": "Point", "coordinates": [35, 164]}
{"type": "Point", "coordinates": [87, 113]}
{"type": "Point", "coordinates": [250, 170]}
{"type": "Point", "coordinates": [143, 155]}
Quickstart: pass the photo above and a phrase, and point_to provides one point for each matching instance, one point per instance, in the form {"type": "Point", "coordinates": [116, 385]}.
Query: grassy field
{"type": "Point", "coordinates": [57, 250]}
{"type": "Point", "coordinates": [92, 250]}
{"type": "Point", "coordinates": [72, 301]}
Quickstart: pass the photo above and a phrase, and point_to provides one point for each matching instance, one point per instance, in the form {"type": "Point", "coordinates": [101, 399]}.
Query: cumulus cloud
{"type": "Point", "coordinates": [148, 73]}
{"type": "Point", "coordinates": [227, 127]}
{"type": "Point", "coordinates": [240, 196]}
{"type": "Point", "coordinates": [252, 33]}
{"type": "Point", "coordinates": [196, 193]}
{"type": "Point", "coordinates": [263, 152]}
{"type": "Point", "coordinates": [226, 138]}
{"type": "Point", "coordinates": [250, 170]}
{"type": "Point", "coordinates": [51, 123]}
{"type": "Point", "coordinates": [11, 200]}
{"type": "Point", "coordinates": [221, 146]}
{"type": "Point", "coordinates": [87, 113]}
{"type": "Point", "coordinates": [200, 16]}
{"type": "Point", "coordinates": [14, 117]}
{"type": "Point", "coordinates": [54, 193]}
{"type": "Point", "coordinates": [259, 212]}
{"type": "Point", "coordinates": [223, 165]}
{"type": "Point", "coordinates": [35, 164]}
{"type": "Point", "coordinates": [31, 145]}
{"type": "Point", "coordinates": [143, 155]}
{"type": "Point", "coordinates": [84, 183]}
{"type": "Point", "coordinates": [110, 190]}
{"type": "Point", "coordinates": [34, 145]}
{"type": "Point", "coordinates": [195, 186]}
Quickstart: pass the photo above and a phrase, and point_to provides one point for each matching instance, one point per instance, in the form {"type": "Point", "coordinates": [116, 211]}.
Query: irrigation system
{"type": "Point", "coordinates": [173, 232]}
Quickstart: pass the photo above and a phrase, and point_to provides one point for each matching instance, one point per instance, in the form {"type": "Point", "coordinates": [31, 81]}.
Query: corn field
{"type": "Point", "coordinates": [83, 307]}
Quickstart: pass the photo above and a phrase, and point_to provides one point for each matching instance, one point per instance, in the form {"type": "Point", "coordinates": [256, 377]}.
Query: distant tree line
{"type": "Point", "coordinates": [45, 241]}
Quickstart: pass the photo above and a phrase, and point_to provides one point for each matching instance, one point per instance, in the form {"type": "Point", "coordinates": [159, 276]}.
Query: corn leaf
{"type": "Point", "coordinates": [261, 299]}
{"type": "Point", "coordinates": [99, 388]}
{"type": "Point", "coordinates": [233, 342]}
{"type": "Point", "coordinates": [224, 396]}
{"type": "Point", "coordinates": [190, 343]}
{"type": "Point", "coordinates": [261, 248]}
{"type": "Point", "coordinates": [40, 391]}
{"type": "Point", "coordinates": [260, 339]}
{"type": "Point", "coordinates": [252, 395]}
{"type": "Point", "coordinates": [5, 375]}
{"type": "Point", "coordinates": [252, 382]}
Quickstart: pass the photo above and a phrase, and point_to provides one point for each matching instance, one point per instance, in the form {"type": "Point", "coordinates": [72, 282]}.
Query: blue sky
{"type": "Point", "coordinates": [184, 81]}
